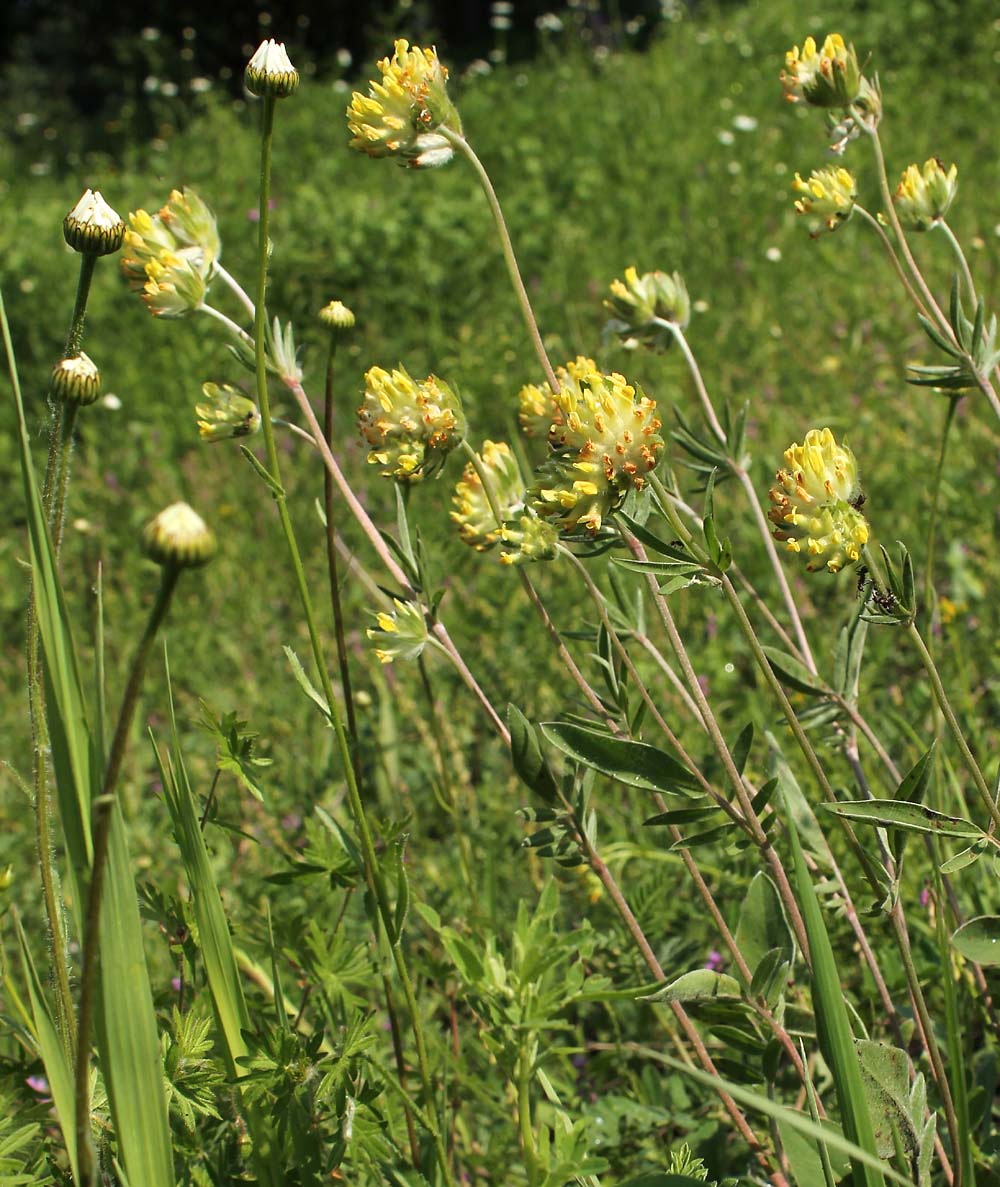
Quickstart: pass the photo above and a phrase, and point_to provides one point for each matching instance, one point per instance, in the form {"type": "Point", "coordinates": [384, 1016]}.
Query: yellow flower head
{"type": "Point", "coordinates": [605, 439]}
{"type": "Point", "coordinates": [411, 426]}
{"type": "Point", "coordinates": [923, 196]}
{"type": "Point", "coordinates": [827, 77]}
{"type": "Point", "coordinates": [477, 524]}
{"type": "Point", "coordinates": [170, 257]}
{"type": "Point", "coordinates": [401, 634]}
{"type": "Point", "coordinates": [401, 115]}
{"type": "Point", "coordinates": [815, 502]}
{"type": "Point", "coordinates": [640, 305]}
{"type": "Point", "coordinates": [829, 195]}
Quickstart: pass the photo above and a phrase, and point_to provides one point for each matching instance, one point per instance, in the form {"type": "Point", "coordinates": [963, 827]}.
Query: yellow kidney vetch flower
{"type": "Point", "coordinates": [924, 196]}
{"type": "Point", "coordinates": [829, 194]}
{"type": "Point", "coordinates": [171, 256]}
{"type": "Point", "coordinates": [823, 77]}
{"type": "Point", "coordinates": [401, 634]}
{"type": "Point", "coordinates": [538, 409]}
{"type": "Point", "coordinates": [402, 115]}
{"type": "Point", "coordinates": [477, 523]}
{"type": "Point", "coordinates": [815, 502]}
{"type": "Point", "coordinates": [411, 426]}
{"type": "Point", "coordinates": [605, 439]}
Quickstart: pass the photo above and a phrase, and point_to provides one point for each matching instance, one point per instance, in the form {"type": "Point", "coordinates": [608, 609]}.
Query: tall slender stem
{"type": "Point", "coordinates": [372, 872]}
{"type": "Point", "coordinates": [949, 418]}
{"type": "Point", "coordinates": [886, 242]}
{"type": "Point", "coordinates": [463, 146]}
{"type": "Point", "coordinates": [963, 263]}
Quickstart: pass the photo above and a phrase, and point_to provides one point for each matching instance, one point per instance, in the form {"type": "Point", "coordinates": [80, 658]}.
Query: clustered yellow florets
{"type": "Point", "coordinates": [171, 256]}
{"type": "Point", "coordinates": [402, 115]}
{"type": "Point", "coordinates": [410, 426]}
{"type": "Point", "coordinates": [829, 195]}
{"type": "Point", "coordinates": [477, 523]}
{"type": "Point", "coordinates": [815, 502]}
{"type": "Point", "coordinates": [924, 196]}
{"type": "Point", "coordinates": [826, 77]}
{"type": "Point", "coordinates": [604, 438]}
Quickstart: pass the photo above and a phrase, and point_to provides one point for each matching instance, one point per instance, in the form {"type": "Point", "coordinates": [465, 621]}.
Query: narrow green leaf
{"type": "Point", "coordinates": [833, 1027]}
{"type": "Point", "coordinates": [526, 755]}
{"type": "Point", "coordinates": [263, 473]}
{"type": "Point", "coordinates": [792, 672]}
{"type": "Point", "coordinates": [634, 763]}
{"type": "Point", "coordinates": [303, 681]}
{"type": "Point", "coordinates": [902, 814]}
{"type": "Point", "coordinates": [979, 940]}
{"type": "Point", "coordinates": [762, 925]}
{"type": "Point", "coordinates": [698, 985]}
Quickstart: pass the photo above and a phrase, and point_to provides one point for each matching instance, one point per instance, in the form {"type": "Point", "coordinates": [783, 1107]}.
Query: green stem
{"type": "Point", "coordinates": [373, 875]}
{"type": "Point", "coordinates": [54, 489]}
{"type": "Point", "coordinates": [463, 146]}
{"type": "Point", "coordinates": [329, 509]}
{"type": "Point", "coordinates": [876, 226]}
{"type": "Point", "coordinates": [952, 722]}
{"type": "Point", "coordinates": [963, 263]}
{"type": "Point", "coordinates": [103, 817]}
{"type": "Point", "coordinates": [525, 1126]}
{"type": "Point", "coordinates": [935, 502]}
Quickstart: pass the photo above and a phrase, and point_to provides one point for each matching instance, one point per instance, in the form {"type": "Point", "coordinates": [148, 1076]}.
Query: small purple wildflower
{"type": "Point", "coordinates": [714, 961]}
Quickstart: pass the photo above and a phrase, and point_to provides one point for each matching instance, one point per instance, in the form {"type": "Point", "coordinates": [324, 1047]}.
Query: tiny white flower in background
{"type": "Point", "coordinates": [169, 89]}
{"type": "Point", "coordinates": [200, 85]}
{"type": "Point", "coordinates": [744, 123]}
{"type": "Point", "coordinates": [27, 119]}
{"type": "Point", "coordinates": [773, 254]}
{"type": "Point", "coordinates": [111, 402]}
{"type": "Point", "coordinates": [724, 136]}
{"type": "Point", "coordinates": [150, 84]}
{"type": "Point", "coordinates": [700, 306]}
{"type": "Point", "coordinates": [150, 34]}
{"type": "Point", "coordinates": [344, 58]}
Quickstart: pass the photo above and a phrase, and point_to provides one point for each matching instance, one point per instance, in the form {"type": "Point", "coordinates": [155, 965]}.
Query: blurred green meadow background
{"type": "Point", "coordinates": [676, 156]}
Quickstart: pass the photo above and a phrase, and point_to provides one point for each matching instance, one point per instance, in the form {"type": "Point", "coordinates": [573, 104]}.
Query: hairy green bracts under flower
{"type": "Point", "coordinates": [815, 502]}
{"type": "Point", "coordinates": [171, 256]}
{"type": "Point", "coordinates": [226, 412]}
{"type": "Point", "coordinates": [829, 195]}
{"type": "Point", "coordinates": [400, 115]}
{"type": "Point", "coordinates": [410, 426]}
{"type": "Point", "coordinates": [477, 524]}
{"type": "Point", "coordinates": [605, 439]}
{"type": "Point", "coordinates": [924, 196]}
{"type": "Point", "coordinates": [527, 539]}
{"type": "Point", "coordinates": [76, 380]}
{"type": "Point", "coordinates": [827, 77]}
{"type": "Point", "coordinates": [401, 634]}
{"type": "Point", "coordinates": [641, 304]}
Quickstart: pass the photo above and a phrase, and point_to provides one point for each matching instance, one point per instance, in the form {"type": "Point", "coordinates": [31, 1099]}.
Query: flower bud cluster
{"type": "Point", "coordinates": [226, 412]}
{"type": "Point", "coordinates": [477, 523]}
{"type": "Point", "coordinates": [641, 304]}
{"type": "Point", "coordinates": [410, 426]}
{"type": "Point", "coordinates": [605, 439]}
{"type": "Point", "coordinates": [171, 256]}
{"type": "Point", "coordinates": [829, 194]}
{"type": "Point", "coordinates": [402, 115]}
{"type": "Point", "coordinates": [815, 503]}
{"type": "Point", "coordinates": [924, 196]}
{"type": "Point", "coordinates": [822, 77]}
